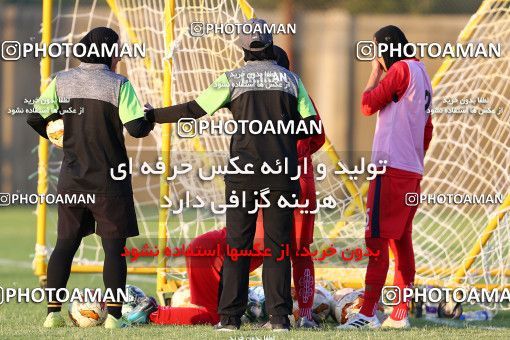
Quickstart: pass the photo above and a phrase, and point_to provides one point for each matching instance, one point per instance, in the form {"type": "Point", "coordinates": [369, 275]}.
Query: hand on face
{"type": "Point", "coordinates": [376, 66]}
{"type": "Point", "coordinates": [377, 62]}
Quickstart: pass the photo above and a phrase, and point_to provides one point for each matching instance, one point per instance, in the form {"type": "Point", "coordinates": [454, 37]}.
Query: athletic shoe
{"type": "Point", "coordinates": [267, 325]}
{"type": "Point", "coordinates": [306, 323]}
{"type": "Point", "coordinates": [360, 321]}
{"type": "Point", "coordinates": [228, 323]}
{"type": "Point", "coordinates": [279, 323]}
{"type": "Point", "coordinates": [390, 323]}
{"type": "Point", "coordinates": [54, 320]}
{"type": "Point", "coordinates": [140, 314]}
{"type": "Point", "coordinates": [280, 327]}
{"type": "Point", "coordinates": [226, 328]}
{"type": "Point", "coordinates": [277, 327]}
{"type": "Point", "coordinates": [112, 322]}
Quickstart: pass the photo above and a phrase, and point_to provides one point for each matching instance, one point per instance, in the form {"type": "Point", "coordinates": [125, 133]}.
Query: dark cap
{"type": "Point", "coordinates": [98, 36]}
{"type": "Point", "coordinates": [255, 38]}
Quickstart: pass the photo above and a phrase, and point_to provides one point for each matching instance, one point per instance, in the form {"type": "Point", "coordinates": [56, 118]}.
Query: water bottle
{"type": "Point", "coordinates": [479, 315]}
{"type": "Point", "coordinates": [430, 308]}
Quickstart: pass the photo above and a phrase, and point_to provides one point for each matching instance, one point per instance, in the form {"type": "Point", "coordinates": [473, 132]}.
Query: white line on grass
{"type": "Point", "coordinates": [15, 263]}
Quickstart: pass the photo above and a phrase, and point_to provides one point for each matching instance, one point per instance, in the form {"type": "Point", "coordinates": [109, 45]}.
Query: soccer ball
{"type": "Point", "coordinates": [182, 297]}
{"type": "Point", "coordinates": [338, 295]}
{"type": "Point", "coordinates": [55, 132]}
{"type": "Point", "coordinates": [256, 310]}
{"type": "Point", "coordinates": [135, 295]}
{"type": "Point", "coordinates": [449, 310]}
{"type": "Point", "coordinates": [347, 302]}
{"type": "Point", "coordinates": [321, 304]}
{"type": "Point", "coordinates": [87, 314]}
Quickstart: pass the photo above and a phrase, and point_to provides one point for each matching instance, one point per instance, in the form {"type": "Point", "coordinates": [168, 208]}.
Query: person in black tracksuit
{"type": "Point", "coordinates": [278, 95]}
{"type": "Point", "coordinates": [93, 144]}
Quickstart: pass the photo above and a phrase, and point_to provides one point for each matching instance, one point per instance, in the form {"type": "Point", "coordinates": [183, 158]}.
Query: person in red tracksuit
{"type": "Point", "coordinates": [204, 273]}
{"type": "Point", "coordinates": [402, 137]}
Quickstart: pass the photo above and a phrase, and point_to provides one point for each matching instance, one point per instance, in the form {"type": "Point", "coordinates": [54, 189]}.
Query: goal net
{"type": "Point", "coordinates": [469, 153]}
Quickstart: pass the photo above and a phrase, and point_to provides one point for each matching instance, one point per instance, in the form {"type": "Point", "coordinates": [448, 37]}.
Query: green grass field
{"type": "Point", "coordinates": [17, 239]}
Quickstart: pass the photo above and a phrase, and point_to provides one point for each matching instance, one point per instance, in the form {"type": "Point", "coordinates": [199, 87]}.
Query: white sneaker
{"type": "Point", "coordinates": [306, 323]}
{"type": "Point", "coordinates": [54, 320]}
{"type": "Point", "coordinates": [390, 323]}
{"type": "Point", "coordinates": [360, 321]}
{"type": "Point", "coordinates": [112, 322]}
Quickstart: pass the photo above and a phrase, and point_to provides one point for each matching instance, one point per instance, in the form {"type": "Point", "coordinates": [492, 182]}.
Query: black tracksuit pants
{"type": "Point", "coordinates": [276, 275]}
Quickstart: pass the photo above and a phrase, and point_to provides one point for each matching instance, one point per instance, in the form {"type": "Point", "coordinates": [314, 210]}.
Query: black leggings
{"type": "Point", "coordinates": [114, 270]}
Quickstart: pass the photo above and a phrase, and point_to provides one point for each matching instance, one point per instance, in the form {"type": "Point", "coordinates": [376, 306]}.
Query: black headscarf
{"type": "Point", "coordinates": [391, 35]}
{"type": "Point", "coordinates": [282, 59]}
{"type": "Point", "coordinates": [265, 54]}
{"type": "Point", "coordinates": [99, 36]}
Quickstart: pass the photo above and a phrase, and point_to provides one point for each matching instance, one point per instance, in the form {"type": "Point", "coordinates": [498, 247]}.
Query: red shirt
{"type": "Point", "coordinates": [308, 146]}
{"type": "Point", "coordinates": [392, 88]}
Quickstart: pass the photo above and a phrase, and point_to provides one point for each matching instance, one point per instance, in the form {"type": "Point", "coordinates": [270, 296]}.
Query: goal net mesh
{"type": "Point", "coordinates": [469, 153]}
